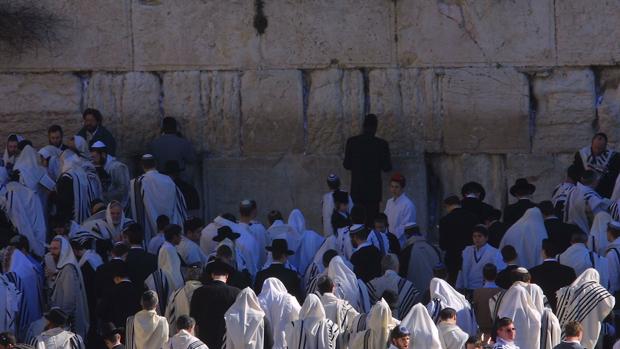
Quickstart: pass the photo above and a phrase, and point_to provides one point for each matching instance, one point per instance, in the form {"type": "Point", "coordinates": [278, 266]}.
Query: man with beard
{"type": "Point", "coordinates": [94, 131]}
{"type": "Point", "coordinates": [113, 174]}
{"type": "Point", "coordinates": [54, 137]}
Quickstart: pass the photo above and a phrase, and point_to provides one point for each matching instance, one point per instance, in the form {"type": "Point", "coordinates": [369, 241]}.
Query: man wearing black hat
{"type": "Point", "coordinates": [522, 190]}
{"type": "Point", "coordinates": [112, 336]}
{"type": "Point", "coordinates": [280, 252]}
{"type": "Point", "coordinates": [473, 200]}
{"type": "Point", "coordinates": [366, 258]}
{"type": "Point", "coordinates": [55, 336]}
{"type": "Point", "coordinates": [333, 183]}
{"type": "Point", "coordinates": [211, 301]}
{"type": "Point", "coordinates": [366, 156]}
{"type": "Point", "coordinates": [399, 338]}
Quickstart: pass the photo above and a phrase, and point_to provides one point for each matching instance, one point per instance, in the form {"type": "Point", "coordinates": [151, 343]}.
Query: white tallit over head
{"type": "Point", "coordinates": [424, 333]}
{"type": "Point", "coordinates": [379, 324]}
{"type": "Point", "coordinates": [115, 230]}
{"type": "Point", "coordinates": [81, 145]}
{"type": "Point", "coordinates": [71, 165]}
{"type": "Point", "coordinates": [311, 241]}
{"type": "Point", "coordinates": [52, 155]}
{"type": "Point", "coordinates": [30, 171]}
{"type": "Point", "coordinates": [245, 324]}
{"type": "Point", "coordinates": [279, 307]}
{"type": "Point", "coordinates": [597, 241]}
{"type": "Point", "coordinates": [586, 302]}
{"type": "Point", "coordinates": [444, 296]}
{"type": "Point", "coordinates": [207, 234]}
{"type": "Point", "coordinates": [281, 230]}
{"type": "Point", "coordinates": [149, 330]}
{"type": "Point", "coordinates": [23, 208]}
{"type": "Point", "coordinates": [313, 330]}
{"type": "Point", "coordinates": [66, 254]}
{"type": "Point", "coordinates": [347, 286]}
{"type": "Point", "coordinates": [517, 305]}
{"type": "Point", "coordinates": [551, 331]}
{"type": "Point", "coordinates": [526, 236]}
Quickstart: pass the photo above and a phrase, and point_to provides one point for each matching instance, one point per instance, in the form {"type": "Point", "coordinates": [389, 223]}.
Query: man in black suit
{"type": "Point", "coordinates": [142, 264]}
{"type": "Point", "coordinates": [605, 162]}
{"type": "Point", "coordinates": [340, 215]}
{"type": "Point", "coordinates": [280, 252]}
{"type": "Point", "coordinates": [366, 156]}
{"type": "Point", "coordinates": [509, 255]}
{"type": "Point", "coordinates": [104, 280]}
{"type": "Point", "coordinates": [559, 232]}
{"type": "Point", "coordinates": [211, 301]}
{"type": "Point", "coordinates": [122, 300]}
{"type": "Point", "coordinates": [473, 200]}
{"type": "Point", "coordinates": [496, 228]}
{"type": "Point", "coordinates": [551, 275]}
{"type": "Point", "coordinates": [455, 234]}
{"type": "Point", "coordinates": [522, 190]}
{"type": "Point", "coordinates": [573, 333]}
{"type": "Point", "coordinates": [366, 258]}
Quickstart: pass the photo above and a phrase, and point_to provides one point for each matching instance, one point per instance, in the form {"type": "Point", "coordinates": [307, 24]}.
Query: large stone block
{"type": "Point", "coordinates": [272, 112]}
{"type": "Point", "coordinates": [587, 32]}
{"type": "Point", "coordinates": [222, 93]}
{"type": "Point", "coordinates": [485, 110]}
{"type": "Point", "coordinates": [325, 112]}
{"type": "Point", "coordinates": [413, 167]}
{"type": "Point", "coordinates": [91, 35]}
{"type": "Point", "coordinates": [544, 171]}
{"type": "Point", "coordinates": [466, 32]}
{"type": "Point", "coordinates": [194, 34]}
{"type": "Point", "coordinates": [565, 110]}
{"type": "Point", "coordinates": [608, 107]}
{"type": "Point", "coordinates": [105, 93]}
{"type": "Point", "coordinates": [183, 101]}
{"type": "Point", "coordinates": [420, 98]}
{"type": "Point", "coordinates": [318, 33]}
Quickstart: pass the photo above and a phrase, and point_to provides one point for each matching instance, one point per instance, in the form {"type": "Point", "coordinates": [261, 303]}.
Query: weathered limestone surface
{"type": "Point", "coordinates": [183, 101]}
{"type": "Point", "coordinates": [565, 110]}
{"type": "Point", "coordinates": [221, 97]}
{"type": "Point", "coordinates": [92, 35]}
{"type": "Point", "coordinates": [421, 102]}
{"type": "Point", "coordinates": [608, 108]}
{"type": "Point", "coordinates": [465, 32]}
{"type": "Point", "coordinates": [485, 110]}
{"type": "Point", "coordinates": [544, 171]}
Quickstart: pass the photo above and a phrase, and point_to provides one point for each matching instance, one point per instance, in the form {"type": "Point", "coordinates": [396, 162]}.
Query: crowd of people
{"type": "Point", "coordinates": [95, 257]}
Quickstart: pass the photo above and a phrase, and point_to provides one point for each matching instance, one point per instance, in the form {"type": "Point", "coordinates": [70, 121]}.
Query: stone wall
{"type": "Point", "coordinates": [482, 90]}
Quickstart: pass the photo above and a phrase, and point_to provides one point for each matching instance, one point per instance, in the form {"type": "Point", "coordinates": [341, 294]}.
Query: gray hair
{"type": "Point", "coordinates": [389, 262]}
{"type": "Point", "coordinates": [185, 322]}
{"type": "Point", "coordinates": [149, 300]}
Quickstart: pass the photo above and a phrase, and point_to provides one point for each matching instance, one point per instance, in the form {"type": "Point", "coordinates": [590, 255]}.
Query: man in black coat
{"type": "Point", "coordinates": [473, 200]}
{"type": "Point", "coordinates": [280, 252]}
{"type": "Point", "coordinates": [366, 156]}
{"type": "Point", "coordinates": [522, 190]}
{"type": "Point", "coordinates": [93, 130]}
{"type": "Point", "coordinates": [455, 234]}
{"type": "Point", "coordinates": [504, 277]}
{"type": "Point", "coordinates": [211, 301]}
{"type": "Point", "coordinates": [601, 160]}
{"type": "Point", "coordinates": [559, 232]}
{"type": "Point", "coordinates": [122, 300]}
{"type": "Point", "coordinates": [366, 258]}
{"type": "Point", "coordinates": [497, 229]}
{"type": "Point", "coordinates": [551, 275]}
{"type": "Point", "coordinates": [142, 264]}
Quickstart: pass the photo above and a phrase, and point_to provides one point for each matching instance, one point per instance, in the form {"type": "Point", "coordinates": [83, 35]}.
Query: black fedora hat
{"type": "Point", "coordinates": [225, 232]}
{"type": "Point", "coordinates": [56, 316]}
{"type": "Point", "coordinates": [219, 265]}
{"type": "Point", "coordinates": [522, 186]}
{"type": "Point", "coordinates": [473, 187]}
{"type": "Point", "coordinates": [279, 245]}
{"type": "Point", "coordinates": [109, 329]}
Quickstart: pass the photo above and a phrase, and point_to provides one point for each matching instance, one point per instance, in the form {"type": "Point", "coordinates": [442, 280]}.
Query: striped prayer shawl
{"type": "Point", "coordinates": [614, 210]}
{"type": "Point", "coordinates": [560, 193]}
{"type": "Point", "coordinates": [138, 205]}
{"type": "Point", "coordinates": [129, 342]}
{"type": "Point", "coordinates": [21, 320]}
{"type": "Point", "coordinates": [408, 295]}
{"type": "Point", "coordinates": [576, 305]}
{"type": "Point", "coordinates": [596, 163]}
{"type": "Point", "coordinates": [332, 333]}
{"type": "Point", "coordinates": [158, 282]}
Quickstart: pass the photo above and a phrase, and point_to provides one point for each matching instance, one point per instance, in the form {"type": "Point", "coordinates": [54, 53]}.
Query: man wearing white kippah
{"type": "Point", "coordinates": [113, 174]}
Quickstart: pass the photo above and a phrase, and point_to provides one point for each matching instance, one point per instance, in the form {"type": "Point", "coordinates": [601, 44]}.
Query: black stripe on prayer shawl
{"type": "Point", "coordinates": [408, 300]}
{"type": "Point", "coordinates": [197, 343]}
{"type": "Point", "coordinates": [20, 321]}
{"type": "Point", "coordinates": [372, 292]}
{"type": "Point", "coordinates": [436, 310]}
{"type": "Point", "coordinates": [367, 339]}
{"type": "Point", "coordinates": [361, 324]}
{"type": "Point", "coordinates": [139, 204]}
{"type": "Point", "coordinates": [587, 305]}
{"type": "Point", "coordinates": [543, 331]}
{"type": "Point", "coordinates": [613, 209]}
{"type": "Point", "coordinates": [498, 302]}
{"type": "Point", "coordinates": [161, 288]}
{"type": "Point", "coordinates": [302, 340]}
{"type": "Point", "coordinates": [181, 206]}
{"type": "Point", "coordinates": [76, 342]}
{"type": "Point", "coordinates": [129, 343]}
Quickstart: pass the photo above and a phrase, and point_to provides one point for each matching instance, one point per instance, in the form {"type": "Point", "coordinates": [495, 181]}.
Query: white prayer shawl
{"type": "Point", "coordinates": [169, 262]}
{"type": "Point", "coordinates": [91, 257]}
{"type": "Point", "coordinates": [155, 244]}
{"type": "Point", "coordinates": [68, 291]}
{"type": "Point", "coordinates": [82, 193]}
{"type": "Point", "coordinates": [313, 330]}
{"type": "Point", "coordinates": [154, 194]}
{"type": "Point", "coordinates": [593, 162]}
{"type": "Point", "coordinates": [424, 333]}
{"type": "Point", "coordinates": [342, 240]}
{"type": "Point", "coordinates": [34, 330]}
{"type": "Point", "coordinates": [178, 303]}
{"type": "Point", "coordinates": [516, 304]}
{"type": "Point", "coordinates": [207, 234]}
{"type": "Point", "coordinates": [159, 282]}
{"type": "Point", "coordinates": [185, 340]}
{"type": "Point", "coordinates": [586, 302]}
{"type": "Point", "coordinates": [146, 330]}
{"type": "Point", "coordinates": [58, 338]}
{"type": "Point", "coordinates": [347, 286]}
{"type": "Point", "coordinates": [474, 260]}
{"type": "Point", "coordinates": [582, 203]}
{"type": "Point", "coordinates": [551, 331]}
{"type": "Point", "coordinates": [379, 324]}
{"type": "Point", "coordinates": [444, 296]}
{"type": "Point", "coordinates": [24, 210]}
{"type": "Point", "coordinates": [280, 230]}
{"type": "Point", "coordinates": [116, 230]}
{"type": "Point", "coordinates": [341, 313]}
{"type": "Point", "coordinates": [526, 236]}
{"type": "Point", "coordinates": [259, 233]}
{"type": "Point", "coordinates": [399, 212]}
{"type": "Point", "coordinates": [311, 241]}
{"type": "Point", "coordinates": [597, 241]}
{"type": "Point", "coordinates": [424, 257]}
{"type": "Point", "coordinates": [280, 308]}
{"type": "Point", "coordinates": [408, 295]}
{"type": "Point", "coordinates": [613, 265]}
{"type": "Point", "coordinates": [52, 155]}
{"type": "Point", "coordinates": [316, 268]}
{"type": "Point", "coordinates": [580, 258]}
{"type": "Point", "coordinates": [32, 174]}
{"type": "Point", "coordinates": [245, 322]}
{"type": "Point", "coordinates": [119, 181]}
{"type": "Point", "coordinates": [451, 336]}
{"type": "Point", "coordinates": [191, 253]}
{"type": "Point", "coordinates": [10, 300]}
{"type": "Point", "coordinates": [379, 240]}
{"type": "Point", "coordinates": [327, 211]}
{"type": "Point", "coordinates": [560, 193]}
{"type": "Point", "coordinates": [248, 247]}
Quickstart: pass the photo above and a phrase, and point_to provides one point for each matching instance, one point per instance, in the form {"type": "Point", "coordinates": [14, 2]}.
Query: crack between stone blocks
{"type": "Point", "coordinates": [306, 83]}
{"type": "Point", "coordinates": [533, 108]}
{"type": "Point", "coordinates": [555, 33]}
{"type": "Point", "coordinates": [366, 82]}
{"type": "Point", "coordinates": [131, 35]}
{"type": "Point", "coordinates": [599, 90]}
{"type": "Point", "coordinates": [84, 78]}
{"type": "Point", "coordinates": [240, 101]}
{"type": "Point", "coordinates": [160, 99]}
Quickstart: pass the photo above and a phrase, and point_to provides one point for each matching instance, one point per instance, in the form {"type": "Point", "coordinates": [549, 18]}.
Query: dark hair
{"type": "Point", "coordinates": [245, 210]}
{"type": "Point", "coordinates": [149, 300]}
{"type": "Point", "coordinates": [119, 249]}
{"type": "Point", "coordinates": [325, 284]}
{"type": "Point", "coordinates": [480, 228]}
{"type": "Point", "coordinates": [494, 215]}
{"type": "Point", "coordinates": [20, 242]}
{"type": "Point", "coordinates": [578, 237]}
{"type": "Point", "coordinates": [391, 298]}
{"type": "Point", "coordinates": [334, 185]}
{"type": "Point", "coordinates": [381, 218]}
{"type": "Point", "coordinates": [447, 314]}
{"type": "Point", "coordinates": [328, 256]}
{"type": "Point", "coordinates": [358, 215]}
{"type": "Point", "coordinates": [185, 322]}
{"type": "Point", "coordinates": [94, 112]}
{"type": "Point", "coordinates": [148, 163]}
{"type": "Point", "coordinates": [549, 248]}
{"type": "Point", "coordinates": [509, 253]}
{"type": "Point", "coordinates": [14, 175]}
{"type": "Point", "coordinates": [503, 322]}
{"type": "Point", "coordinates": [277, 255]}
{"type": "Point", "coordinates": [21, 145]}
{"type": "Point", "coordinates": [572, 329]}
{"type": "Point", "coordinates": [440, 271]}
{"type": "Point", "coordinates": [489, 272]}
{"type": "Point", "coordinates": [193, 223]}
{"type": "Point", "coordinates": [546, 207]}
{"type": "Point", "coordinates": [169, 125]}
{"type": "Point", "coordinates": [162, 222]}
{"type": "Point", "coordinates": [600, 134]}
{"type": "Point", "coordinates": [362, 234]}
{"type": "Point", "coordinates": [229, 216]}
{"type": "Point", "coordinates": [452, 200]}
{"type": "Point", "coordinates": [589, 177]}
{"type": "Point", "coordinates": [120, 269]}
{"type": "Point", "coordinates": [224, 251]}
{"type": "Point", "coordinates": [172, 231]}
{"type": "Point", "coordinates": [54, 128]}
{"type": "Point", "coordinates": [613, 230]}
{"type": "Point", "coordinates": [572, 172]}
{"type": "Point", "coordinates": [371, 122]}
{"type": "Point", "coordinates": [7, 338]}
{"type": "Point", "coordinates": [134, 234]}
{"type": "Point", "coordinates": [273, 216]}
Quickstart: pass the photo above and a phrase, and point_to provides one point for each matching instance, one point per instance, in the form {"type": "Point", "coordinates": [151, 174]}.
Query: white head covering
{"type": "Point", "coordinates": [346, 285]}
{"type": "Point", "coordinates": [30, 171]}
{"type": "Point", "coordinates": [297, 221]}
{"type": "Point", "coordinates": [279, 307]}
{"type": "Point", "coordinates": [49, 151]}
{"type": "Point", "coordinates": [443, 296]}
{"type": "Point", "coordinates": [597, 241]}
{"type": "Point", "coordinates": [66, 253]}
{"type": "Point", "coordinates": [82, 147]}
{"type": "Point", "coordinates": [245, 325]}
{"type": "Point", "coordinates": [379, 324]}
{"type": "Point", "coordinates": [424, 333]}
{"type": "Point", "coordinates": [313, 330]}
{"type": "Point", "coordinates": [115, 229]}
{"type": "Point", "coordinates": [311, 241]}
{"type": "Point", "coordinates": [517, 305]}
{"type": "Point", "coordinates": [280, 230]}
{"type": "Point", "coordinates": [526, 236]}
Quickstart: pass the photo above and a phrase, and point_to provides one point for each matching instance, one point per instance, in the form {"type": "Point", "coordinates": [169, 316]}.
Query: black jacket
{"type": "Point", "coordinates": [340, 221]}
{"type": "Point", "coordinates": [608, 180]}
{"type": "Point", "coordinates": [551, 276]}
{"type": "Point", "coordinates": [102, 134]}
{"type": "Point", "coordinates": [366, 263]}
{"type": "Point", "coordinates": [120, 302]}
{"type": "Point", "coordinates": [477, 207]}
{"type": "Point", "coordinates": [497, 230]}
{"type": "Point", "coordinates": [504, 279]}
{"type": "Point", "coordinates": [560, 233]}
{"type": "Point", "coordinates": [208, 306]}
{"type": "Point", "coordinates": [513, 212]}
{"type": "Point", "coordinates": [289, 278]}
{"type": "Point", "coordinates": [366, 156]}
{"type": "Point", "coordinates": [141, 265]}
{"type": "Point", "coordinates": [455, 230]}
